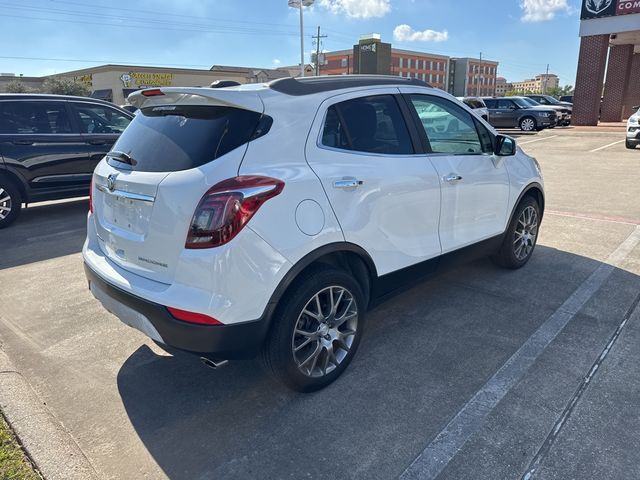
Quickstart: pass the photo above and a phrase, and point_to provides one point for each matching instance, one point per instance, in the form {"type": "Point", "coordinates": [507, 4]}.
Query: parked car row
{"type": "Point", "coordinates": [520, 112]}
{"type": "Point", "coordinates": [50, 145]}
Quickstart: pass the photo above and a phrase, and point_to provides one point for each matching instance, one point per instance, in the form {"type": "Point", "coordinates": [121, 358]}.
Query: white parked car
{"type": "Point", "coordinates": [633, 130]}
{"type": "Point", "coordinates": [477, 105]}
{"type": "Point", "coordinates": [266, 219]}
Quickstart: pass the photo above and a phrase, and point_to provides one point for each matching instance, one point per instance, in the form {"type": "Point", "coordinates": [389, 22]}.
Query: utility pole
{"type": "Point", "coordinates": [479, 77]}
{"type": "Point", "coordinates": [317, 39]}
{"type": "Point", "coordinates": [544, 84]}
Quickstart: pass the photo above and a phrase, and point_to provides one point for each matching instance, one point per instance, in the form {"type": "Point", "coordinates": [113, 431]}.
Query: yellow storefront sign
{"type": "Point", "coordinates": [146, 79]}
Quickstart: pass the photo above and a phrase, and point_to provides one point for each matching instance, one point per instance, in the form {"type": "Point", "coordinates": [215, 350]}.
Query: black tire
{"type": "Point", "coordinates": [278, 356]}
{"type": "Point", "coordinates": [509, 255]}
{"type": "Point", "coordinates": [11, 199]}
{"type": "Point", "coordinates": [629, 145]}
{"type": "Point", "coordinates": [525, 124]}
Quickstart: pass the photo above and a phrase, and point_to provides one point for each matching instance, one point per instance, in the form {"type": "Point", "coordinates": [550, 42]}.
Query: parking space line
{"type": "Point", "coordinates": [606, 146]}
{"type": "Point", "coordinates": [471, 417]}
{"type": "Point", "coordinates": [537, 140]}
{"type": "Point", "coordinates": [589, 216]}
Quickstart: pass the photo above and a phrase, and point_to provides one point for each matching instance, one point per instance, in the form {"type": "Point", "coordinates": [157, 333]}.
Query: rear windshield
{"type": "Point", "coordinates": [168, 138]}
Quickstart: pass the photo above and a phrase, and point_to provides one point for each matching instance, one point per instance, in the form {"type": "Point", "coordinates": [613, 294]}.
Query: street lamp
{"type": "Point", "coordinates": [299, 4]}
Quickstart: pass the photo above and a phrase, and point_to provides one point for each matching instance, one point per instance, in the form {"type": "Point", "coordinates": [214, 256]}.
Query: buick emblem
{"type": "Point", "coordinates": [597, 6]}
{"type": "Point", "coordinates": [111, 182]}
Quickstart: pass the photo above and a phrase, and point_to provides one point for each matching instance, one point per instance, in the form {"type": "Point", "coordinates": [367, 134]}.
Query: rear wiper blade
{"type": "Point", "coordinates": [122, 157]}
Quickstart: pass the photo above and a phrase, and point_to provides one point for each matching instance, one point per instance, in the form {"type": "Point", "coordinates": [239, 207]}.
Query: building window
{"type": "Point", "coordinates": [424, 77]}
{"type": "Point", "coordinates": [401, 63]}
{"type": "Point", "coordinates": [408, 63]}
{"type": "Point", "coordinates": [344, 62]}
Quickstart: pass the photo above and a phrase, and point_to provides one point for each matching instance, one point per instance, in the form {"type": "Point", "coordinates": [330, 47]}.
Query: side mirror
{"type": "Point", "coordinates": [505, 146]}
{"type": "Point", "coordinates": [636, 108]}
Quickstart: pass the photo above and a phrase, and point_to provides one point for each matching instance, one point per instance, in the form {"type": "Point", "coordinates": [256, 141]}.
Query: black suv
{"type": "Point", "coordinates": [516, 112]}
{"type": "Point", "coordinates": [50, 145]}
{"type": "Point", "coordinates": [564, 109]}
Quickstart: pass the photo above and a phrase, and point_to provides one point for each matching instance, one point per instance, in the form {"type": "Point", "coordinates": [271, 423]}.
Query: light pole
{"type": "Point", "coordinates": [299, 4]}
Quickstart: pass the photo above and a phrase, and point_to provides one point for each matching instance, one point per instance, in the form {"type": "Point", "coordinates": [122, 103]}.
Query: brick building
{"type": "Point", "coordinates": [371, 55]}
{"type": "Point", "coordinates": [610, 40]}
{"type": "Point", "coordinates": [502, 86]}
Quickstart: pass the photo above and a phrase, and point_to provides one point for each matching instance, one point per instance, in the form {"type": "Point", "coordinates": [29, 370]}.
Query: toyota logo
{"type": "Point", "coordinates": [111, 182]}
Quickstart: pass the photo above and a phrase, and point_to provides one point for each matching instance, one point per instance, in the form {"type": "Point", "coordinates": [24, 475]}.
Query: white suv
{"type": "Point", "coordinates": [266, 219]}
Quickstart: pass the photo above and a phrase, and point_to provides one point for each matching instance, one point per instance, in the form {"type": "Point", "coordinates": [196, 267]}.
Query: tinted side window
{"type": "Point", "coordinates": [506, 105]}
{"type": "Point", "coordinates": [27, 117]}
{"type": "Point", "coordinates": [369, 124]}
{"type": "Point", "coordinates": [449, 128]}
{"type": "Point", "coordinates": [100, 118]}
{"type": "Point", "coordinates": [491, 103]}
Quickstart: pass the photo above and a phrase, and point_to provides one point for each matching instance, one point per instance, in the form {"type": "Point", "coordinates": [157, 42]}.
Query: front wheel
{"type": "Point", "coordinates": [521, 236]}
{"type": "Point", "coordinates": [629, 145]}
{"type": "Point", "coordinates": [527, 124]}
{"type": "Point", "coordinates": [10, 202]}
{"type": "Point", "coordinates": [316, 330]}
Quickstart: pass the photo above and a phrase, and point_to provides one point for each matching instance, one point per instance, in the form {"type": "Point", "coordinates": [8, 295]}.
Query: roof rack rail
{"type": "Point", "coordinates": [327, 83]}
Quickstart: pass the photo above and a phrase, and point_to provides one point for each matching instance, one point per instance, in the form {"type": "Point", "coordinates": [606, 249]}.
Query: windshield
{"type": "Point", "coordinates": [170, 138]}
{"type": "Point", "coordinates": [552, 100]}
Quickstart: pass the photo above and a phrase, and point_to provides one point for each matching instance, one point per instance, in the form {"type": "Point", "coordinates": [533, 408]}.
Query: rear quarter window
{"type": "Point", "coordinates": [170, 138]}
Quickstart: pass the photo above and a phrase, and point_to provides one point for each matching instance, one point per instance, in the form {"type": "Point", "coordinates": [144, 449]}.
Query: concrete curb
{"type": "Point", "coordinates": [50, 446]}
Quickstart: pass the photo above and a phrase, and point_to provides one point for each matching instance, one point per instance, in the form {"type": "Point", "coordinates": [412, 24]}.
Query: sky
{"type": "Point", "coordinates": [41, 37]}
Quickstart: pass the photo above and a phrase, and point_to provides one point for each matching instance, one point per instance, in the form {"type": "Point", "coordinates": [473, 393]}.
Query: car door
{"type": "Point", "coordinates": [474, 182]}
{"type": "Point", "coordinates": [100, 126]}
{"type": "Point", "coordinates": [39, 142]}
{"type": "Point", "coordinates": [509, 114]}
{"type": "Point", "coordinates": [496, 117]}
{"type": "Point", "coordinates": [385, 194]}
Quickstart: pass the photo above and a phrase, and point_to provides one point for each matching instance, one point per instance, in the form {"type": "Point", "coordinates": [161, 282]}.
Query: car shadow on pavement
{"type": "Point", "coordinates": [422, 357]}
{"type": "Point", "coordinates": [43, 232]}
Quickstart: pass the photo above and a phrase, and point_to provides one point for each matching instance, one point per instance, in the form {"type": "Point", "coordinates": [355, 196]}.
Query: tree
{"type": "Point", "coordinates": [16, 86]}
{"type": "Point", "coordinates": [65, 86]}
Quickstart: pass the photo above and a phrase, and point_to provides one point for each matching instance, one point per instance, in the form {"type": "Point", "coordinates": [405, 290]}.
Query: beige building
{"type": "Point", "coordinates": [501, 86]}
{"type": "Point", "coordinates": [115, 82]}
{"type": "Point", "coordinates": [541, 84]}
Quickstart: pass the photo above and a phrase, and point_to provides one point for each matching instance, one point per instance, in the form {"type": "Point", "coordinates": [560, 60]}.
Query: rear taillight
{"type": "Point", "coordinates": [91, 195]}
{"type": "Point", "coordinates": [227, 207]}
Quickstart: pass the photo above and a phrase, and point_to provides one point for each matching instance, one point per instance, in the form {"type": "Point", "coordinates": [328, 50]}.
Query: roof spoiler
{"type": "Point", "coordinates": [230, 97]}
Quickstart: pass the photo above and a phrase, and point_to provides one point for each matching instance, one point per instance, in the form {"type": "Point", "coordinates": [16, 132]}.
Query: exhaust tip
{"type": "Point", "coordinates": [215, 364]}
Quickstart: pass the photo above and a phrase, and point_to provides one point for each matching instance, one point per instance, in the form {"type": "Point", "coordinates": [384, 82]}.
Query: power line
{"type": "Point", "coordinates": [318, 39]}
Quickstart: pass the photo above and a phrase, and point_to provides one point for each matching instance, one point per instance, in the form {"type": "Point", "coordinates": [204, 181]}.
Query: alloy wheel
{"type": "Point", "coordinates": [5, 204]}
{"type": "Point", "coordinates": [325, 331]}
{"type": "Point", "coordinates": [527, 124]}
{"type": "Point", "coordinates": [525, 233]}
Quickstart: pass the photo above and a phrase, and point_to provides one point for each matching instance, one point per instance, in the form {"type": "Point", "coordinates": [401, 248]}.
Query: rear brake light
{"type": "Point", "coordinates": [227, 207]}
{"type": "Point", "coordinates": [152, 93]}
{"type": "Point", "coordinates": [192, 317]}
{"type": "Point", "coordinates": [91, 195]}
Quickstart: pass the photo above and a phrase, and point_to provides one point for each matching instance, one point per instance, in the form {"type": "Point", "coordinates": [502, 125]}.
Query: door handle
{"type": "Point", "coordinates": [97, 141]}
{"type": "Point", "coordinates": [452, 177]}
{"type": "Point", "coordinates": [22, 142]}
{"type": "Point", "coordinates": [349, 183]}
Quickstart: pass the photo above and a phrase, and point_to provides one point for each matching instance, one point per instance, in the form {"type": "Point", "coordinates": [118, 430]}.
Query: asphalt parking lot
{"type": "Point", "coordinates": [479, 373]}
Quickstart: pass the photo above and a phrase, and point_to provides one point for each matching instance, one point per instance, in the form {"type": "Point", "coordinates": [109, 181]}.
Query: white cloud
{"type": "Point", "coordinates": [404, 33]}
{"type": "Point", "coordinates": [277, 61]}
{"type": "Point", "coordinates": [358, 8]}
{"type": "Point", "coordinates": [542, 10]}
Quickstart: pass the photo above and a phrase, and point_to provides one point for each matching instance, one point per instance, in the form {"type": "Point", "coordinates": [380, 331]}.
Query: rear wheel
{"type": "Point", "coordinates": [527, 124]}
{"type": "Point", "coordinates": [316, 330]}
{"type": "Point", "coordinates": [10, 202]}
{"type": "Point", "coordinates": [521, 237]}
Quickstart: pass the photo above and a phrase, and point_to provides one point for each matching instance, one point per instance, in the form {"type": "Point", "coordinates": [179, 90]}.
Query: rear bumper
{"type": "Point", "coordinates": [239, 340]}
